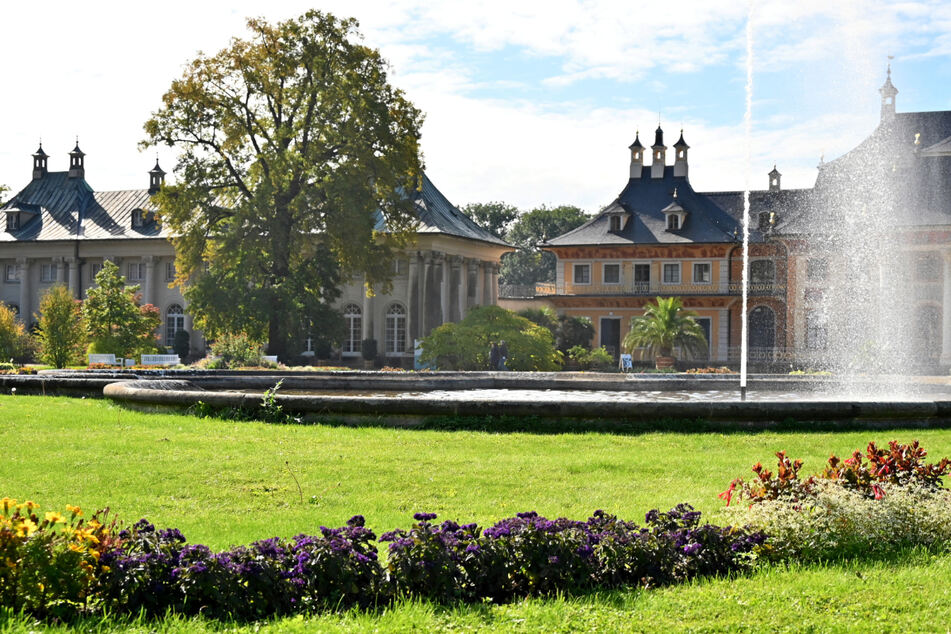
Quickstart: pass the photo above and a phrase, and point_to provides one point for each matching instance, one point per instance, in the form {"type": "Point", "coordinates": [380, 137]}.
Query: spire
{"type": "Point", "coordinates": [637, 156]}
{"type": "Point", "coordinates": [659, 152]}
{"type": "Point", "coordinates": [39, 163]}
{"type": "Point", "coordinates": [76, 162]}
{"type": "Point", "coordinates": [156, 177]}
{"type": "Point", "coordinates": [774, 179]}
{"type": "Point", "coordinates": [888, 92]}
{"type": "Point", "coordinates": [680, 156]}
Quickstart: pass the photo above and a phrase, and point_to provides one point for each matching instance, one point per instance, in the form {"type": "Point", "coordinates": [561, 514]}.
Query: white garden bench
{"type": "Point", "coordinates": [271, 358]}
{"type": "Point", "coordinates": [160, 359]}
{"type": "Point", "coordinates": [104, 359]}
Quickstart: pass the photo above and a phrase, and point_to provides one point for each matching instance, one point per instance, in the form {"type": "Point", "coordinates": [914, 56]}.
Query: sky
{"type": "Point", "coordinates": [526, 102]}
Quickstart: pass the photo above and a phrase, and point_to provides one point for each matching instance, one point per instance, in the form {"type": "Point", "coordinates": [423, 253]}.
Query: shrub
{"type": "Point", "coordinates": [465, 345]}
{"type": "Point", "coordinates": [598, 358]}
{"type": "Point", "coordinates": [15, 343]}
{"type": "Point", "coordinates": [181, 345]}
{"type": "Point", "coordinates": [368, 349]}
{"type": "Point", "coordinates": [61, 331]}
{"type": "Point", "coordinates": [236, 350]}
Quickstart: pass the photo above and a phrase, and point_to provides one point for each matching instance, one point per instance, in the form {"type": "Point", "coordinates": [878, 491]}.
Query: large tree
{"type": "Point", "coordinates": [494, 217]}
{"type": "Point", "coordinates": [294, 151]}
{"type": "Point", "coordinates": [529, 264]}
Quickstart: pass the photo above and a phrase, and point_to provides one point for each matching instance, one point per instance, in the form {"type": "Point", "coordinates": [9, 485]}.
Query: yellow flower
{"type": "Point", "coordinates": [55, 517]}
{"type": "Point", "coordinates": [30, 504]}
{"type": "Point", "coordinates": [75, 510]}
{"type": "Point", "coordinates": [26, 528]}
{"type": "Point", "coordinates": [7, 503]}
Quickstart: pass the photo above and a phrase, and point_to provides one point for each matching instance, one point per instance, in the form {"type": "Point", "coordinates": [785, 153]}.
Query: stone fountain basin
{"type": "Point", "coordinates": [411, 398]}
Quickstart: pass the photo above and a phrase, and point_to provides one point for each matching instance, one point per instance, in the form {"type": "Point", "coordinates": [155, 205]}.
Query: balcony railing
{"type": "Point", "coordinates": [650, 289]}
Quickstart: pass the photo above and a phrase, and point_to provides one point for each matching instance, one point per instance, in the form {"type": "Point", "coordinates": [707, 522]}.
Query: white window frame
{"type": "Point", "coordinates": [138, 218]}
{"type": "Point", "coordinates": [615, 223]}
{"type": "Point", "coordinates": [604, 273]}
{"type": "Point", "coordinates": [709, 279]}
{"type": "Point", "coordinates": [576, 268]}
{"type": "Point", "coordinates": [13, 222]}
{"type": "Point", "coordinates": [135, 271]}
{"type": "Point", "coordinates": [673, 222]}
{"type": "Point", "coordinates": [394, 333]}
{"type": "Point", "coordinates": [48, 272]}
{"type": "Point", "coordinates": [94, 268]}
{"type": "Point", "coordinates": [174, 321]}
{"type": "Point", "coordinates": [353, 339]}
{"type": "Point", "coordinates": [11, 274]}
{"type": "Point", "coordinates": [170, 271]}
{"type": "Point", "coordinates": [663, 276]}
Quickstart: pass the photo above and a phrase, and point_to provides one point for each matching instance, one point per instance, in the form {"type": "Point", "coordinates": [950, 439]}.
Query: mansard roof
{"type": "Point", "coordinates": [69, 209]}
{"type": "Point", "coordinates": [66, 208]}
{"type": "Point", "coordinates": [644, 200]}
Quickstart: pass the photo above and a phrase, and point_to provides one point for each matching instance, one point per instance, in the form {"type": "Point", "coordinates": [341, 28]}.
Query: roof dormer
{"type": "Point", "coordinates": [674, 214]}
{"type": "Point", "coordinates": [616, 222]}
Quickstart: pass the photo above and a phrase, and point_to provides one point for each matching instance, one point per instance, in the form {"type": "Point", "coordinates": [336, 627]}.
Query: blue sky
{"type": "Point", "coordinates": [526, 102]}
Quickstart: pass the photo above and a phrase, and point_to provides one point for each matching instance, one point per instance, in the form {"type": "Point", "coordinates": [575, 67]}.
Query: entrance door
{"type": "Point", "coordinates": [611, 335]}
{"type": "Point", "coordinates": [704, 323]}
{"type": "Point", "coordinates": [762, 335]}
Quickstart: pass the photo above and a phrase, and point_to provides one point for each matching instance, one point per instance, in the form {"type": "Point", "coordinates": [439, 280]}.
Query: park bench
{"type": "Point", "coordinates": [160, 359]}
{"type": "Point", "coordinates": [270, 358]}
{"type": "Point", "coordinates": [103, 359]}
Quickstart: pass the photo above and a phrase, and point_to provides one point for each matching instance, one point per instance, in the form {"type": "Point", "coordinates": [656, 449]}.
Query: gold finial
{"type": "Point", "coordinates": [917, 138]}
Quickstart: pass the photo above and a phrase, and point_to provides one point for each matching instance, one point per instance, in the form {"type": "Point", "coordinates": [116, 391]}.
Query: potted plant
{"type": "Point", "coordinates": [663, 325]}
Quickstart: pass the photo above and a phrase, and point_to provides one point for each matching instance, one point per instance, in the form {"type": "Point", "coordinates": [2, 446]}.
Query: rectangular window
{"type": "Point", "coordinates": [399, 267]}
{"type": "Point", "coordinates": [170, 271]}
{"type": "Point", "coordinates": [94, 269]}
{"type": "Point", "coordinates": [137, 220]}
{"type": "Point", "coordinates": [612, 273]}
{"type": "Point", "coordinates": [642, 278]}
{"type": "Point", "coordinates": [615, 223]}
{"type": "Point", "coordinates": [11, 273]}
{"type": "Point", "coordinates": [673, 222]}
{"type": "Point", "coordinates": [136, 271]}
{"type": "Point", "coordinates": [701, 273]}
{"type": "Point", "coordinates": [13, 222]}
{"type": "Point", "coordinates": [582, 274]}
{"type": "Point", "coordinates": [47, 273]}
{"type": "Point", "coordinates": [672, 273]}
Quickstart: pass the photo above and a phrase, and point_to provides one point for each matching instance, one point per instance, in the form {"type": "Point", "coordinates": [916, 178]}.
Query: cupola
{"type": "Point", "coordinates": [774, 180]}
{"type": "Point", "coordinates": [637, 156]}
{"type": "Point", "coordinates": [156, 177]}
{"type": "Point", "coordinates": [888, 92]}
{"type": "Point", "coordinates": [76, 166]}
{"type": "Point", "coordinates": [680, 156]}
{"type": "Point", "coordinates": [674, 214]}
{"type": "Point", "coordinates": [659, 153]}
{"type": "Point", "coordinates": [39, 163]}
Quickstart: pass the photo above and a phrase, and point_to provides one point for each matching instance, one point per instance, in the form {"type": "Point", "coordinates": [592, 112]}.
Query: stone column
{"type": "Point", "coordinates": [480, 283]}
{"type": "Point", "coordinates": [24, 266]}
{"type": "Point", "coordinates": [412, 292]}
{"type": "Point", "coordinates": [463, 287]}
{"type": "Point", "coordinates": [946, 312]}
{"type": "Point", "coordinates": [189, 326]}
{"type": "Point", "coordinates": [424, 297]}
{"type": "Point", "coordinates": [73, 277]}
{"type": "Point", "coordinates": [493, 284]}
{"type": "Point", "coordinates": [148, 284]}
{"type": "Point", "coordinates": [368, 317]}
{"type": "Point", "coordinates": [444, 290]}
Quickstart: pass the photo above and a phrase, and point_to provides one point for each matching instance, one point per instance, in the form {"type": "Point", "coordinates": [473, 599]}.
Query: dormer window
{"type": "Point", "coordinates": [675, 214]}
{"type": "Point", "coordinates": [673, 222]}
{"type": "Point", "coordinates": [764, 220]}
{"type": "Point", "coordinates": [138, 218]}
{"type": "Point", "coordinates": [13, 221]}
{"type": "Point", "coordinates": [615, 223]}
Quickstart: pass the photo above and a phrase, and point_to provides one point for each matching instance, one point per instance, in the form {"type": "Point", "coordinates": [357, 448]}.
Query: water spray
{"type": "Point", "coordinates": [748, 131]}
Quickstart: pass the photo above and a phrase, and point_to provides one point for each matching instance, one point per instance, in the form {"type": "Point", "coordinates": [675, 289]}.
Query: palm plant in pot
{"type": "Point", "coordinates": [664, 325]}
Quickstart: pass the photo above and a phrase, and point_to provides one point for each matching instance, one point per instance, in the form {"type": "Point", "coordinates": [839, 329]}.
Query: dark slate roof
{"type": "Point", "coordinates": [786, 203]}
{"type": "Point", "coordinates": [66, 208]}
{"type": "Point", "coordinates": [438, 215]}
{"type": "Point", "coordinates": [642, 202]}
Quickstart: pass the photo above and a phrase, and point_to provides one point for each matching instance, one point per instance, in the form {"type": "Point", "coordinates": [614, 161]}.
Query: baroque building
{"type": "Point", "coordinates": [59, 229]}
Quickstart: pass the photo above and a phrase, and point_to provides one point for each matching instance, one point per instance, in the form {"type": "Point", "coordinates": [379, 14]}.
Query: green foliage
{"type": "Point", "coordinates": [293, 146]}
{"type": "Point", "coordinates": [368, 349]}
{"type": "Point", "coordinates": [530, 265]}
{"type": "Point", "coordinates": [116, 323]}
{"type": "Point", "coordinates": [494, 217]}
{"type": "Point", "coordinates": [15, 344]}
{"type": "Point", "coordinates": [61, 331]}
{"type": "Point", "coordinates": [238, 350]}
{"type": "Point", "coordinates": [663, 325]}
{"type": "Point", "coordinates": [573, 331]}
{"type": "Point", "coordinates": [465, 345]}
{"type": "Point", "coordinates": [545, 317]}
{"type": "Point", "coordinates": [598, 358]}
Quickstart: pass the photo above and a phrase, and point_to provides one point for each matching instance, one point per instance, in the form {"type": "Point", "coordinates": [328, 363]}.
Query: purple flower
{"type": "Point", "coordinates": [691, 549]}
{"type": "Point", "coordinates": [356, 520]}
{"type": "Point", "coordinates": [424, 517]}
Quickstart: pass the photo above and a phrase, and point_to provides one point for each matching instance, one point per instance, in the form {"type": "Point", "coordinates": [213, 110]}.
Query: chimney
{"type": "Point", "coordinates": [659, 151]}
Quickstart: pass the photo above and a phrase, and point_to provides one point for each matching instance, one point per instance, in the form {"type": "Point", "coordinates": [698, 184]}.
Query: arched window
{"type": "Point", "coordinates": [353, 317]}
{"type": "Point", "coordinates": [762, 272]}
{"type": "Point", "coordinates": [174, 321]}
{"type": "Point", "coordinates": [395, 329]}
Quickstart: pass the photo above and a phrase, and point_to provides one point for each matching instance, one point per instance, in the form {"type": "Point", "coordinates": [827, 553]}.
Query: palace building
{"type": "Point", "coordinates": [59, 229]}
{"type": "Point", "coordinates": [660, 237]}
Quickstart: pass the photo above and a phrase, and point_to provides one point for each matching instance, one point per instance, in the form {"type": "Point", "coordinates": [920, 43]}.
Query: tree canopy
{"type": "Point", "coordinates": [529, 264]}
{"type": "Point", "coordinates": [117, 324]}
{"type": "Point", "coordinates": [665, 324]}
{"type": "Point", "coordinates": [494, 217]}
{"type": "Point", "coordinates": [294, 153]}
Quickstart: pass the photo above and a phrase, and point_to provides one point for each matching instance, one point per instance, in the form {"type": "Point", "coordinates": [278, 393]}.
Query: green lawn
{"type": "Point", "coordinates": [226, 483]}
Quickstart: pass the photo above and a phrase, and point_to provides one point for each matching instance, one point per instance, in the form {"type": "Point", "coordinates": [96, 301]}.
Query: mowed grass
{"type": "Point", "coordinates": [225, 483]}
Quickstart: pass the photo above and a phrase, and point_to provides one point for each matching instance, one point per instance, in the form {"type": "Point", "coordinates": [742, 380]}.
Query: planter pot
{"type": "Point", "coordinates": [664, 363]}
